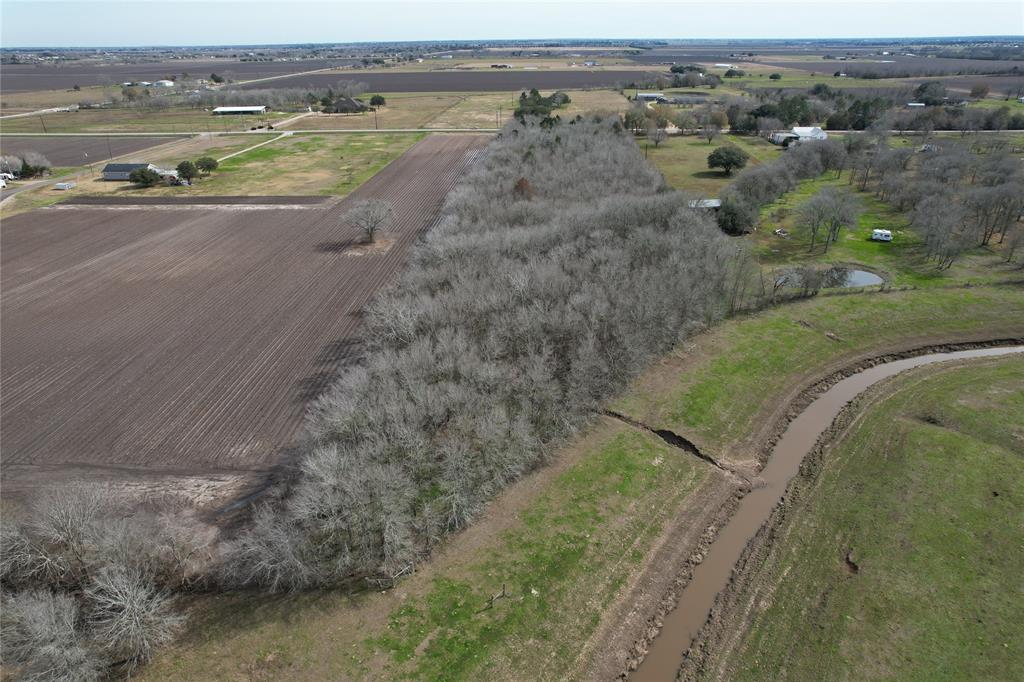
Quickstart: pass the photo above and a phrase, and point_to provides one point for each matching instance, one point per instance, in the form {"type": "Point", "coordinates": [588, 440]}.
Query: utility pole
{"type": "Point", "coordinates": [42, 122]}
{"type": "Point", "coordinates": [375, 119]}
{"type": "Point", "coordinates": [110, 153]}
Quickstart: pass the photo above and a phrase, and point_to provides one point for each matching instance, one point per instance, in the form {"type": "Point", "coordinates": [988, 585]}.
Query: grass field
{"type": "Point", "coordinates": [901, 261]}
{"type": "Point", "coordinates": [745, 366]}
{"type": "Point", "coordinates": [302, 164]}
{"type": "Point", "coordinates": [927, 491]}
{"type": "Point", "coordinates": [683, 160]}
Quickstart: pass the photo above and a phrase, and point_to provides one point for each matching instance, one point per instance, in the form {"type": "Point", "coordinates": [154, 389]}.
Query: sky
{"type": "Point", "coordinates": [110, 23]}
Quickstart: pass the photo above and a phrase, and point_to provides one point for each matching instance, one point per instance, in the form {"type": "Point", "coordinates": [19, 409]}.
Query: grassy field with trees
{"type": "Point", "coordinates": [900, 559]}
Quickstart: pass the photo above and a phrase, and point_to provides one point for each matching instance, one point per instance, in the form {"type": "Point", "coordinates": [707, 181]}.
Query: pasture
{"type": "Point", "coordinates": [683, 160]}
{"type": "Point", "coordinates": [901, 558]}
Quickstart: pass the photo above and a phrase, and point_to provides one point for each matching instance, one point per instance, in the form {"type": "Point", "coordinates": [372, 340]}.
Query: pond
{"type": "Point", "coordinates": [861, 278]}
{"type": "Point", "coordinates": [827, 278]}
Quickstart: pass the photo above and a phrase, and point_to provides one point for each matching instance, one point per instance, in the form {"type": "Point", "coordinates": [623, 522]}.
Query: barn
{"type": "Point", "coordinates": [121, 171]}
{"type": "Point", "coordinates": [227, 111]}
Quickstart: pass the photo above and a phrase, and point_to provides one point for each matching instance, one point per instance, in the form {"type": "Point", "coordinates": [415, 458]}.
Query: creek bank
{"type": "Point", "coordinates": [813, 405]}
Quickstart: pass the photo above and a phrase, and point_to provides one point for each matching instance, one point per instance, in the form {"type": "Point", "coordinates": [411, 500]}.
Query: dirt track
{"type": "Point", "coordinates": [71, 150]}
{"type": "Point", "coordinates": [188, 341]}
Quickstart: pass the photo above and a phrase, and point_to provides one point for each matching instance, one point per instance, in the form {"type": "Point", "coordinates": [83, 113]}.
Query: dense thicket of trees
{"type": "Point", "coordinates": [88, 584]}
{"type": "Point", "coordinates": [519, 313]}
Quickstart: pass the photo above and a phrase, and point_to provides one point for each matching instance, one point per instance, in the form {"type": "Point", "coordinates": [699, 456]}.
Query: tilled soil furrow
{"type": "Point", "coordinates": [191, 339]}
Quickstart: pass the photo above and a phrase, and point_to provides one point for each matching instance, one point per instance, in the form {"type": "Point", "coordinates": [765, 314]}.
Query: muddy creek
{"type": "Point", "coordinates": [712, 575]}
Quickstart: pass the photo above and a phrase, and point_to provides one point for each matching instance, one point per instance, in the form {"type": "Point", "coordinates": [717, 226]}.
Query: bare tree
{"type": "Point", "coordinates": [129, 615]}
{"type": "Point", "coordinates": [831, 210]}
{"type": "Point", "coordinates": [656, 135]}
{"type": "Point", "coordinates": [370, 216]}
{"type": "Point", "coordinates": [710, 132]}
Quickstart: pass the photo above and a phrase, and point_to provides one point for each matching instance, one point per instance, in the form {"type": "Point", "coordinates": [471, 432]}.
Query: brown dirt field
{"type": "Point", "coordinates": [189, 341]}
{"type": "Point", "coordinates": [465, 81]}
{"type": "Point", "coordinates": [71, 150]}
{"type": "Point", "coordinates": [31, 77]}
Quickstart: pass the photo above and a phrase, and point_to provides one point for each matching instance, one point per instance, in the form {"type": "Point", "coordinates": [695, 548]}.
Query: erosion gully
{"type": "Point", "coordinates": [711, 576]}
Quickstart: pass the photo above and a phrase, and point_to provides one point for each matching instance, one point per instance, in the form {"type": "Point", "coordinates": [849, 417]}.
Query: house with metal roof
{"type": "Point", "coordinates": [121, 171]}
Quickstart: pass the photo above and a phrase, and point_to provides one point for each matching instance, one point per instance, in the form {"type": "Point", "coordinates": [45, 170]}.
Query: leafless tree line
{"type": "Point", "coordinates": [88, 584]}
{"type": "Point", "coordinates": [519, 313]}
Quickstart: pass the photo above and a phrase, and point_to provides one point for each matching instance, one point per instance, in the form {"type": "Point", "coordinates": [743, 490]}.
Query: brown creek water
{"type": "Point", "coordinates": [712, 575]}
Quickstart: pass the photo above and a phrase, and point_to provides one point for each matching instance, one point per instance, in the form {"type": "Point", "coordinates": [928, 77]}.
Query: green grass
{"type": "Point", "coordinates": [562, 561]}
{"type": "Point", "coordinates": [992, 103]}
{"type": "Point", "coordinates": [302, 164]}
{"type": "Point", "coordinates": [683, 160]}
{"type": "Point", "coordinates": [901, 262]}
{"type": "Point", "coordinates": [561, 566]}
{"type": "Point", "coordinates": [928, 492]}
{"type": "Point", "coordinates": [755, 358]}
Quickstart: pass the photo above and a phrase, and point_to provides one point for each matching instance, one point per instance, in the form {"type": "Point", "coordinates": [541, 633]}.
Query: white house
{"type": "Point", "coordinates": [222, 111]}
{"type": "Point", "coordinates": [805, 133]}
{"type": "Point", "coordinates": [798, 134]}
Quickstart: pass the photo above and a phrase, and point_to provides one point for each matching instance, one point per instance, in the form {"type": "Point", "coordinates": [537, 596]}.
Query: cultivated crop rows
{"type": "Point", "coordinates": [191, 339]}
{"type": "Point", "coordinates": [79, 151]}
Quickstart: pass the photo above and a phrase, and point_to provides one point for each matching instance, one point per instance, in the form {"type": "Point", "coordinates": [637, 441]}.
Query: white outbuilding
{"type": "Point", "coordinates": [225, 111]}
{"type": "Point", "coordinates": [805, 133]}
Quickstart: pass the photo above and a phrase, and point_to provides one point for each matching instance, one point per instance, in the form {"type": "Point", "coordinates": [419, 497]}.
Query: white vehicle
{"type": "Point", "coordinates": [881, 235]}
{"type": "Point", "coordinates": [6, 176]}
{"type": "Point", "coordinates": [3, 184]}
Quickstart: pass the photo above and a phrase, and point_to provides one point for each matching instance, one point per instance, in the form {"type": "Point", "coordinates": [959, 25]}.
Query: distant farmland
{"type": "Point", "coordinates": [30, 77]}
{"type": "Point", "coordinates": [187, 340]}
{"type": "Point", "coordinates": [72, 151]}
{"type": "Point", "coordinates": [464, 81]}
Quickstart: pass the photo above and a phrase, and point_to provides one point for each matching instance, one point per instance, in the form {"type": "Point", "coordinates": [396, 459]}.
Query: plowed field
{"type": "Point", "coordinates": [156, 342]}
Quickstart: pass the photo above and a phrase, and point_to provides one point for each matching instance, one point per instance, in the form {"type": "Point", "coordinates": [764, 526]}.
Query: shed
{"type": "Point", "coordinates": [121, 171]}
{"type": "Point", "coordinates": [224, 111]}
{"type": "Point", "coordinates": [651, 97]}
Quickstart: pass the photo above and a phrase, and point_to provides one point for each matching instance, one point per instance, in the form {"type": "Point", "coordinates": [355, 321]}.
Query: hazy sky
{"type": "Point", "coordinates": [203, 22]}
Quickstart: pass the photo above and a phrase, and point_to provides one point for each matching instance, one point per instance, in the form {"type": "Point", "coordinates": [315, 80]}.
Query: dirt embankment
{"type": "Point", "coordinates": [807, 395]}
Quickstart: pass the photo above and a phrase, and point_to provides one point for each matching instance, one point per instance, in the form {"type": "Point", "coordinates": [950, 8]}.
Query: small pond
{"type": "Point", "coordinates": [861, 278]}
{"type": "Point", "coordinates": [827, 278]}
